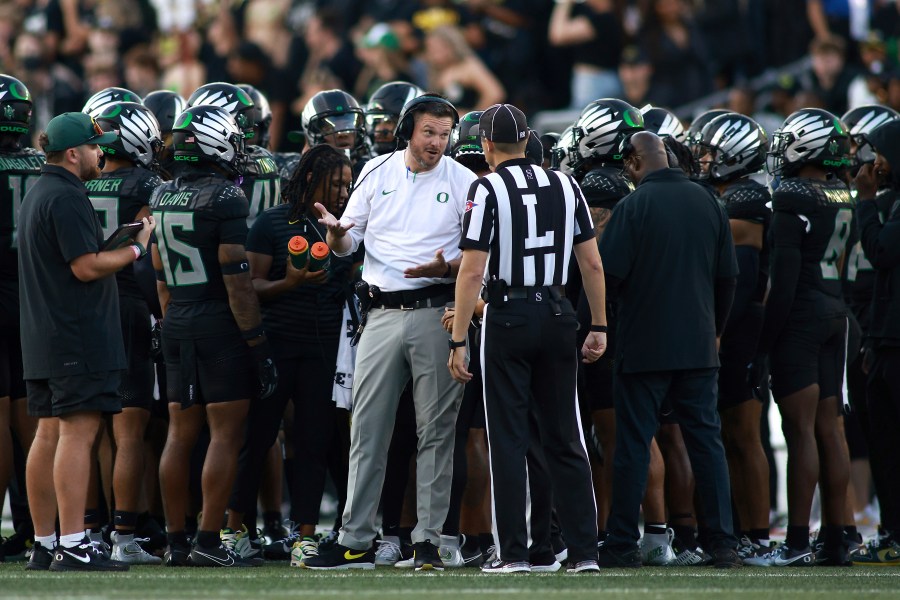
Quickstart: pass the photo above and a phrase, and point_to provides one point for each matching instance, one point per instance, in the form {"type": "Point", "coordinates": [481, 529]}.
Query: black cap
{"type": "Point", "coordinates": [503, 123]}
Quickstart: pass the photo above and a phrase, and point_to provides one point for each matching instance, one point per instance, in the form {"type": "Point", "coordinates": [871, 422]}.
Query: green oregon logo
{"type": "Point", "coordinates": [443, 197]}
{"type": "Point", "coordinates": [112, 111]}
{"type": "Point", "coordinates": [184, 120]}
{"type": "Point", "coordinates": [19, 94]}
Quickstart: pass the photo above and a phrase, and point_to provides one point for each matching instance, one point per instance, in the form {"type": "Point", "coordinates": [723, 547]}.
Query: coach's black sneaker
{"type": "Point", "coordinates": [618, 558]}
{"type": "Point", "coordinates": [177, 556]}
{"type": "Point", "coordinates": [17, 546]}
{"type": "Point", "coordinates": [222, 556]}
{"type": "Point", "coordinates": [426, 557]}
{"type": "Point", "coordinates": [84, 557]}
{"type": "Point", "coordinates": [341, 557]}
{"type": "Point", "coordinates": [726, 558]}
{"type": "Point", "coordinates": [41, 558]}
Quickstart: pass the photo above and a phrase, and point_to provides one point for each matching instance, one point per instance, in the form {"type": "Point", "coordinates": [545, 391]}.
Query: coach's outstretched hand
{"type": "Point", "coordinates": [332, 223]}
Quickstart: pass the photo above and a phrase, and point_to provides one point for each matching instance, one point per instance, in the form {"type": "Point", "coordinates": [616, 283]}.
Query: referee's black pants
{"type": "Point", "coordinates": [529, 364]}
{"type": "Point", "coordinates": [638, 398]}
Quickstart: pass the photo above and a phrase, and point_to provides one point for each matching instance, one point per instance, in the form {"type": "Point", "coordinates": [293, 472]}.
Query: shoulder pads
{"type": "Point", "coordinates": [604, 186]}
{"type": "Point", "coordinates": [261, 164]}
{"type": "Point", "coordinates": [747, 199]}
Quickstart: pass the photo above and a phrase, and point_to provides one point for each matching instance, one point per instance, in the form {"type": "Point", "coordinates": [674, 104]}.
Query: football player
{"type": "Point", "coordinates": [733, 147]}
{"type": "Point", "coordinates": [216, 351]}
{"type": "Point", "coordinates": [805, 327]}
{"type": "Point", "coordinates": [20, 166]}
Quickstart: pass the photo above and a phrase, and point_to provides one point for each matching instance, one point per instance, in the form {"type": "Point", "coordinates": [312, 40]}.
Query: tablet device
{"type": "Point", "coordinates": [123, 236]}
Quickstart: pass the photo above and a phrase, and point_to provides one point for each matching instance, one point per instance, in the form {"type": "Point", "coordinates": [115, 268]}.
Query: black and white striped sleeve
{"type": "Point", "coordinates": [584, 226]}
{"type": "Point", "coordinates": [478, 220]}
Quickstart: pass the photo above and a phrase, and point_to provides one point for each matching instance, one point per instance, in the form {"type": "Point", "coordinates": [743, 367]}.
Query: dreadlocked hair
{"type": "Point", "coordinates": [315, 166]}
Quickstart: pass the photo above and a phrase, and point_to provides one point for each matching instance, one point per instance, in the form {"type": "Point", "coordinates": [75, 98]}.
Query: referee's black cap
{"type": "Point", "coordinates": [503, 123]}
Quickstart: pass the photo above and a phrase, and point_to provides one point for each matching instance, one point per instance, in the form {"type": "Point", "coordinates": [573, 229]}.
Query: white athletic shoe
{"type": "Point", "coordinates": [388, 552]}
{"type": "Point", "coordinates": [656, 549]}
{"type": "Point", "coordinates": [125, 549]}
{"type": "Point", "coordinates": [450, 553]}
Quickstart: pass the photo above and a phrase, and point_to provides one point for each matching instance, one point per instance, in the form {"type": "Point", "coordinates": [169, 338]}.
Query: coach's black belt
{"type": "Point", "coordinates": [431, 296]}
{"type": "Point", "coordinates": [536, 293]}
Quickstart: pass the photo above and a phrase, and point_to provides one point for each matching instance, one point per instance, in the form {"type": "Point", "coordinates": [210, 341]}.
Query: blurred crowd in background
{"type": "Point", "coordinates": [537, 54]}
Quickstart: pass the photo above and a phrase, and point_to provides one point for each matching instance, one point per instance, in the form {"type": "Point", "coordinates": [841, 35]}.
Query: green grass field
{"type": "Point", "coordinates": [279, 581]}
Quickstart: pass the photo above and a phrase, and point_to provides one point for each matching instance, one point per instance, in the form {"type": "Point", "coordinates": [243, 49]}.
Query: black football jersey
{"type": "Point", "coordinates": [18, 172]}
{"type": "Point", "coordinates": [287, 163]}
{"type": "Point", "coordinates": [749, 200]}
{"type": "Point", "coordinates": [826, 210]}
{"type": "Point", "coordinates": [859, 272]}
{"type": "Point", "coordinates": [261, 182]}
{"type": "Point", "coordinates": [603, 187]}
{"type": "Point", "coordinates": [117, 198]}
{"type": "Point", "coordinates": [195, 213]}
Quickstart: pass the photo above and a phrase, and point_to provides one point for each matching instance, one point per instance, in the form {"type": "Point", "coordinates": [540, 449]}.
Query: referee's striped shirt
{"type": "Point", "coordinates": [528, 219]}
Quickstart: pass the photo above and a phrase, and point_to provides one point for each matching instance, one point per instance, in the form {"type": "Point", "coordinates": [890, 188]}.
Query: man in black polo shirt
{"type": "Point", "coordinates": [668, 250]}
{"type": "Point", "coordinates": [72, 339]}
{"type": "Point", "coordinates": [523, 223]}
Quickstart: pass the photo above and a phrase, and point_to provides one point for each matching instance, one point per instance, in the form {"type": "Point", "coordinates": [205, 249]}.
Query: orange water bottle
{"type": "Point", "coordinates": [319, 257]}
{"type": "Point", "coordinates": [298, 249]}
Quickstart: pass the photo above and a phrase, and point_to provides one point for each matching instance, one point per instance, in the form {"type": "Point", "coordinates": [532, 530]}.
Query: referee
{"type": "Point", "coordinates": [522, 221]}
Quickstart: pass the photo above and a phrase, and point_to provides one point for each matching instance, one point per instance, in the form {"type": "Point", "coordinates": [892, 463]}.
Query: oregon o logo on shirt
{"type": "Point", "coordinates": [443, 197]}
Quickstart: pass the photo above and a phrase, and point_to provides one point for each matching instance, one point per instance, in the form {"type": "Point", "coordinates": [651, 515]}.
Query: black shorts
{"type": "Point", "coordinates": [137, 382]}
{"type": "Point", "coordinates": [811, 349]}
{"type": "Point", "coordinates": [738, 349]}
{"type": "Point", "coordinates": [209, 370]}
{"type": "Point", "coordinates": [595, 383]}
{"type": "Point", "coordinates": [12, 383]}
{"type": "Point", "coordinates": [86, 392]}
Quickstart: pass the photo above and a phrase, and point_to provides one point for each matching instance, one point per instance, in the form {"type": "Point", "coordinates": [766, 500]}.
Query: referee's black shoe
{"type": "Point", "coordinates": [84, 557]}
{"type": "Point", "coordinates": [41, 558]}
{"type": "Point", "coordinates": [618, 558]}
{"type": "Point", "coordinates": [426, 558]}
{"type": "Point", "coordinates": [341, 557]}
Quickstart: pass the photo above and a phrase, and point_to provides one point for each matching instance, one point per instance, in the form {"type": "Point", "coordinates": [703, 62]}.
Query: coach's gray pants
{"type": "Point", "coordinates": [399, 344]}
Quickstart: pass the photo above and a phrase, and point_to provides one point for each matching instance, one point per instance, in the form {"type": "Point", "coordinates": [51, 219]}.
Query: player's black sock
{"type": "Point", "coordinates": [797, 537]}
{"type": "Point", "coordinates": [405, 534]}
{"type": "Point", "coordinates": [125, 521]}
{"type": "Point", "coordinates": [655, 529]}
{"type": "Point", "coordinates": [485, 540]}
{"type": "Point", "coordinates": [686, 535]}
{"type": "Point", "coordinates": [758, 535]}
{"type": "Point", "coordinates": [208, 539]}
{"type": "Point", "coordinates": [178, 538]}
{"type": "Point", "coordinates": [852, 533]}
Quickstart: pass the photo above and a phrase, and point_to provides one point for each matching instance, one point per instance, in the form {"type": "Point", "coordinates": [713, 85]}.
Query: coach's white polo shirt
{"type": "Point", "coordinates": [405, 217]}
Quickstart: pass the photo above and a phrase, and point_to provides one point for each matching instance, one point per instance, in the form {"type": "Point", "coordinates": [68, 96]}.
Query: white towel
{"type": "Point", "coordinates": [346, 361]}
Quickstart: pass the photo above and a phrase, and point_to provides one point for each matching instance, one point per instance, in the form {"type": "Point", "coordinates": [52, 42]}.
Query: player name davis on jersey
{"type": "Point", "coordinates": [175, 198]}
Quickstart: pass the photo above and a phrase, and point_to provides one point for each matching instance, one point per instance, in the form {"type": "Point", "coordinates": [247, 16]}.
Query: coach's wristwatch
{"type": "Point", "coordinates": [455, 345]}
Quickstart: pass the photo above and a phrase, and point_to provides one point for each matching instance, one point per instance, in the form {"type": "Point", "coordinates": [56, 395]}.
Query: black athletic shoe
{"type": "Point", "coordinates": [726, 558]}
{"type": "Point", "coordinates": [177, 556]}
{"type": "Point", "coordinates": [222, 556]}
{"type": "Point", "coordinates": [341, 557]}
{"type": "Point", "coordinates": [616, 558]}
{"type": "Point", "coordinates": [17, 546]}
{"type": "Point", "coordinates": [426, 557]}
{"type": "Point", "coordinates": [41, 558]}
{"type": "Point", "coordinates": [84, 557]}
